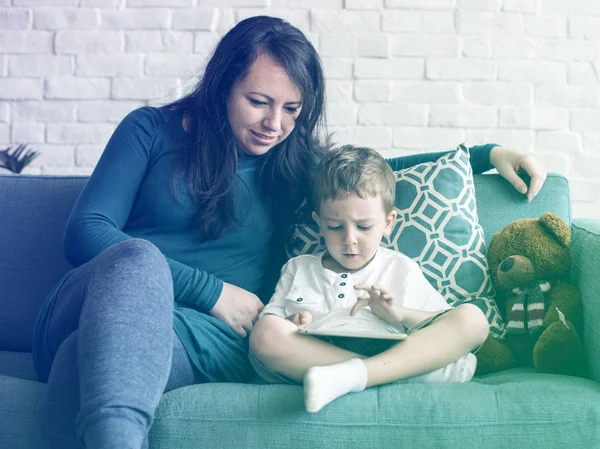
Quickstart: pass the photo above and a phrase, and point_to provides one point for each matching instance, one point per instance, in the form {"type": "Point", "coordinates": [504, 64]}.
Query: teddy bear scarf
{"type": "Point", "coordinates": [527, 313]}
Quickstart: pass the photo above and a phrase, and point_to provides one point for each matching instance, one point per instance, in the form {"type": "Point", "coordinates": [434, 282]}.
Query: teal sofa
{"type": "Point", "coordinates": [511, 409]}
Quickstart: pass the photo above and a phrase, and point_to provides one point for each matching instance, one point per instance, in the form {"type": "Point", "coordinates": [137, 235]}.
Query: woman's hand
{"type": "Point", "coordinates": [509, 162]}
{"type": "Point", "coordinates": [380, 301]}
{"type": "Point", "coordinates": [301, 319]}
{"type": "Point", "coordinates": [238, 308]}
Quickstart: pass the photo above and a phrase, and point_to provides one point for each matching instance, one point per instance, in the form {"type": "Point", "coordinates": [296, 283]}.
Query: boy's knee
{"type": "Point", "coordinates": [474, 322]}
{"type": "Point", "coordinates": [266, 336]}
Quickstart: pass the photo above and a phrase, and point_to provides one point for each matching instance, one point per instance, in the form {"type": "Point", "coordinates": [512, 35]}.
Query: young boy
{"type": "Point", "coordinates": [353, 197]}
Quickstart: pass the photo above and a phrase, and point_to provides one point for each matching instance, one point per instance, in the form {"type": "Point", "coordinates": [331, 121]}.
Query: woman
{"type": "Point", "coordinates": [176, 233]}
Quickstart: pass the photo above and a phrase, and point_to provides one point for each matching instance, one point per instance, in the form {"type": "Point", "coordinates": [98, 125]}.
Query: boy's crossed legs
{"type": "Point", "coordinates": [329, 372]}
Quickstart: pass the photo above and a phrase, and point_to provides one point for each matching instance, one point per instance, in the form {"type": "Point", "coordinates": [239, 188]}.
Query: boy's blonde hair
{"type": "Point", "coordinates": [354, 170]}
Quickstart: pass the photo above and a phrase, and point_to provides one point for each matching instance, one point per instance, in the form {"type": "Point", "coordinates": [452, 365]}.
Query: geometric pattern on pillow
{"type": "Point", "coordinates": [437, 226]}
{"type": "Point", "coordinates": [306, 239]}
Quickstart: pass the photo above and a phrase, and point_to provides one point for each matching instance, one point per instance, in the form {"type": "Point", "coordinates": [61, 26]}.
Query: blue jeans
{"type": "Point", "coordinates": [109, 341]}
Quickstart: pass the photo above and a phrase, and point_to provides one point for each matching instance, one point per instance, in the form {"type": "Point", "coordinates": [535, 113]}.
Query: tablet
{"type": "Point", "coordinates": [339, 323]}
{"type": "Point", "coordinates": [353, 333]}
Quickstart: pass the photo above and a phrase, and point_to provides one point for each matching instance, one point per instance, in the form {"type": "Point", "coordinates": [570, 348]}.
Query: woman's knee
{"type": "Point", "coordinates": [133, 268]}
{"type": "Point", "coordinates": [138, 250]}
{"type": "Point", "coordinates": [139, 254]}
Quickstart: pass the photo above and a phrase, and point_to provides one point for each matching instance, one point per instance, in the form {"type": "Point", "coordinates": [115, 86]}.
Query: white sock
{"type": "Point", "coordinates": [323, 384]}
{"type": "Point", "coordinates": [456, 372]}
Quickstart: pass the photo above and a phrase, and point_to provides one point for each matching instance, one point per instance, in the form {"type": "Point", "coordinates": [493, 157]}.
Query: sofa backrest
{"type": "Point", "coordinates": [35, 209]}
{"type": "Point", "coordinates": [499, 203]}
{"type": "Point", "coordinates": [33, 214]}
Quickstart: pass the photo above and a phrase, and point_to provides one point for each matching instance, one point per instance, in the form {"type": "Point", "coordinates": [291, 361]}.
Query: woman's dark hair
{"type": "Point", "coordinates": [209, 162]}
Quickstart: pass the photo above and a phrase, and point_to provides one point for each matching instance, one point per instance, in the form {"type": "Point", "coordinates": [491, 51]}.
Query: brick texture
{"type": "Point", "coordinates": [402, 75]}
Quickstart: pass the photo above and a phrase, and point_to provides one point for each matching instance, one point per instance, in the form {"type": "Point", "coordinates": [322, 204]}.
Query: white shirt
{"type": "Point", "coordinates": [305, 285]}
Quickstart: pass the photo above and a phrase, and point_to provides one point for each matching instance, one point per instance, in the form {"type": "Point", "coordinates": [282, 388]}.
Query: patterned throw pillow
{"type": "Point", "coordinates": [437, 226]}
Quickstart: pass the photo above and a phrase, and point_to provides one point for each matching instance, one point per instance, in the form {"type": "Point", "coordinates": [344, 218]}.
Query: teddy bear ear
{"type": "Point", "coordinates": [557, 226]}
{"type": "Point", "coordinates": [492, 249]}
{"type": "Point", "coordinates": [495, 237]}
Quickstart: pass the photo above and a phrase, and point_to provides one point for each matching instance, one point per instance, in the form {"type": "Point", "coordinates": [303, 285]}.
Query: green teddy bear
{"type": "Point", "coordinates": [529, 261]}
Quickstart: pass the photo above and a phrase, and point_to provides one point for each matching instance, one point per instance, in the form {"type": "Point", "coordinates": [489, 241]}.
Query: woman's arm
{"type": "Point", "coordinates": [510, 162]}
{"type": "Point", "coordinates": [486, 157]}
{"type": "Point", "coordinates": [105, 203]}
{"type": "Point", "coordinates": [480, 159]}
{"type": "Point", "coordinates": [103, 207]}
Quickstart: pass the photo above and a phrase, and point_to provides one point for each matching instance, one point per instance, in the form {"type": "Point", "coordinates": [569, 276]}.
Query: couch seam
{"type": "Point", "coordinates": [585, 230]}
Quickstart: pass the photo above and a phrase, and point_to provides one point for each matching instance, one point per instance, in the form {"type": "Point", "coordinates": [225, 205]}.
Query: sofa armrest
{"type": "Point", "coordinates": [585, 275]}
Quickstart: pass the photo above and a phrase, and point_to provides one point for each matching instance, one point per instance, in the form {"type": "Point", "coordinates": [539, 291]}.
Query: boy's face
{"type": "Point", "coordinates": [353, 228]}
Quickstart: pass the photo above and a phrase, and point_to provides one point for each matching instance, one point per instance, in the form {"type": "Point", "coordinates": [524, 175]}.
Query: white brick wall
{"type": "Point", "coordinates": [403, 75]}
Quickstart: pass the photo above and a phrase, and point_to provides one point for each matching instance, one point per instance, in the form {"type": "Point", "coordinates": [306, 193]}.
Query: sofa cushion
{"type": "Point", "coordinates": [512, 409]}
{"type": "Point", "coordinates": [509, 409]}
{"type": "Point", "coordinates": [17, 364]}
{"type": "Point", "coordinates": [21, 414]}
{"type": "Point", "coordinates": [437, 226]}
{"type": "Point", "coordinates": [34, 213]}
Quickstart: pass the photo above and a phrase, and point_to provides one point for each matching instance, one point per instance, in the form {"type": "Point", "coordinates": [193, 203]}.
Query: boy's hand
{"type": "Point", "coordinates": [380, 301]}
{"type": "Point", "coordinates": [301, 319]}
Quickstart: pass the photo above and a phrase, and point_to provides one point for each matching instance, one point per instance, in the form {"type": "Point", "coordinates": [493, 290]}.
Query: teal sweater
{"type": "Point", "coordinates": [129, 195]}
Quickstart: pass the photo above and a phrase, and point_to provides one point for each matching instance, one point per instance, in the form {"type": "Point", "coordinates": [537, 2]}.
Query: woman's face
{"type": "Point", "coordinates": [263, 107]}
